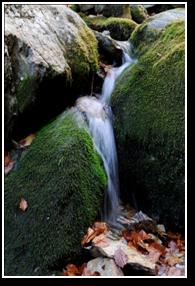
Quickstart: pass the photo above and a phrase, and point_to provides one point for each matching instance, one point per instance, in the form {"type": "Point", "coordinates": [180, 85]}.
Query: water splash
{"type": "Point", "coordinates": [99, 117]}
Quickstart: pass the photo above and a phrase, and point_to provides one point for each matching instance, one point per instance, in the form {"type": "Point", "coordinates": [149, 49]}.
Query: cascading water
{"type": "Point", "coordinates": [99, 117]}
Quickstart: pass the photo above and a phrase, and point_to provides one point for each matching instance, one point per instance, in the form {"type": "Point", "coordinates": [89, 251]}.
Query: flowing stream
{"type": "Point", "coordinates": [99, 117]}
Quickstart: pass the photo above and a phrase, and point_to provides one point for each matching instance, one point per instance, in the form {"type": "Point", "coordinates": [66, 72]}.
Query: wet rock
{"type": "Point", "coordinates": [43, 42]}
{"type": "Point", "coordinates": [85, 8]}
{"type": "Point", "coordinates": [150, 123]}
{"type": "Point", "coordinates": [109, 48]}
{"type": "Point", "coordinates": [151, 29]}
{"type": "Point", "coordinates": [105, 266]}
{"type": "Point", "coordinates": [134, 257]}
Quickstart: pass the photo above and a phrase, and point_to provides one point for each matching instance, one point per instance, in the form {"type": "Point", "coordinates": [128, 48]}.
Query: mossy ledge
{"type": "Point", "coordinates": [62, 179]}
{"type": "Point", "coordinates": [148, 105]}
{"type": "Point", "coordinates": [119, 28]}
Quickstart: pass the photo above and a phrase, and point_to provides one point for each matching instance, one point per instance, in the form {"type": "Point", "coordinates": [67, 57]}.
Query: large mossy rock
{"type": "Point", "coordinates": [42, 43]}
{"type": "Point", "coordinates": [120, 29]}
{"type": "Point", "coordinates": [148, 105]}
{"type": "Point", "coordinates": [62, 179]}
{"type": "Point", "coordinates": [151, 29]}
{"type": "Point", "coordinates": [138, 13]}
{"type": "Point", "coordinates": [117, 10]}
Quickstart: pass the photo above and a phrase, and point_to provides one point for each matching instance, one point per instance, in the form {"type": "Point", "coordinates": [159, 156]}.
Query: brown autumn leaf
{"type": "Point", "coordinates": [8, 163]}
{"type": "Point", "coordinates": [100, 240]}
{"type": "Point", "coordinates": [27, 141]}
{"type": "Point", "coordinates": [23, 204]}
{"type": "Point", "coordinates": [71, 270]}
{"type": "Point", "coordinates": [89, 236]}
{"type": "Point", "coordinates": [100, 227]}
{"type": "Point", "coordinates": [126, 234]}
{"type": "Point", "coordinates": [172, 259]}
{"type": "Point", "coordinates": [137, 237]}
{"type": "Point", "coordinates": [97, 229]}
{"type": "Point", "coordinates": [161, 248]}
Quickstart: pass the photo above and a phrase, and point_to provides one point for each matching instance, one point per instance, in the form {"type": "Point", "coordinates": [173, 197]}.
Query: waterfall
{"type": "Point", "coordinates": [99, 118]}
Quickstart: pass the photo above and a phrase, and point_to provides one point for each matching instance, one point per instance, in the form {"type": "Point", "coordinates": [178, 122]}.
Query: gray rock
{"type": "Point", "coordinates": [99, 8]}
{"type": "Point", "coordinates": [134, 257]}
{"type": "Point", "coordinates": [43, 41]}
{"type": "Point", "coordinates": [105, 266]}
{"type": "Point", "coordinates": [109, 47]}
{"type": "Point", "coordinates": [162, 19]}
{"type": "Point", "coordinates": [151, 29]}
{"type": "Point", "coordinates": [85, 7]}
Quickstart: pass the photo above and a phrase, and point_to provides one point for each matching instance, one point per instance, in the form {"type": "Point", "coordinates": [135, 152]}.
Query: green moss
{"type": "Point", "coordinates": [142, 37]}
{"type": "Point", "coordinates": [139, 13]}
{"type": "Point", "coordinates": [121, 11]}
{"type": "Point", "coordinates": [150, 30]}
{"type": "Point", "coordinates": [26, 92]}
{"type": "Point", "coordinates": [62, 179]}
{"type": "Point", "coordinates": [83, 53]}
{"type": "Point", "coordinates": [148, 104]}
{"type": "Point", "coordinates": [119, 28]}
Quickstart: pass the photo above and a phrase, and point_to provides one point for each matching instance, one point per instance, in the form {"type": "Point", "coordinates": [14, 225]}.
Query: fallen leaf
{"type": "Point", "coordinates": [27, 141]}
{"type": "Point", "coordinates": [154, 255]}
{"type": "Point", "coordinates": [174, 271]}
{"type": "Point", "coordinates": [71, 270]}
{"type": "Point", "coordinates": [88, 237]}
{"type": "Point", "coordinates": [97, 229]}
{"type": "Point", "coordinates": [100, 240]}
{"type": "Point", "coordinates": [126, 234]}
{"type": "Point", "coordinates": [120, 258]}
{"type": "Point", "coordinates": [23, 204]}
{"type": "Point", "coordinates": [8, 163]}
{"type": "Point", "coordinates": [173, 259]}
{"type": "Point", "coordinates": [100, 227]}
{"type": "Point", "coordinates": [172, 246]}
{"type": "Point", "coordinates": [157, 246]}
{"type": "Point", "coordinates": [9, 167]}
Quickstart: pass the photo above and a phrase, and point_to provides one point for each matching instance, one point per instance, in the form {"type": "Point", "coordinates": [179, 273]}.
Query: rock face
{"type": "Point", "coordinates": [105, 266]}
{"type": "Point", "coordinates": [43, 42]}
{"type": "Point", "coordinates": [148, 104]}
{"type": "Point", "coordinates": [62, 179]}
{"type": "Point", "coordinates": [151, 29]}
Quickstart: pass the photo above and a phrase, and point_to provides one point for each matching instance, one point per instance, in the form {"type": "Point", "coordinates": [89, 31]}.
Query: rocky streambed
{"type": "Point", "coordinates": [55, 179]}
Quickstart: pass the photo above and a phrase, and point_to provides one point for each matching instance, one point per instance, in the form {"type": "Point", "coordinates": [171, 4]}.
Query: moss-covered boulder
{"type": "Point", "coordinates": [138, 13]}
{"type": "Point", "coordinates": [45, 42]}
{"type": "Point", "coordinates": [151, 29]}
{"type": "Point", "coordinates": [120, 29]}
{"type": "Point", "coordinates": [148, 105]}
{"type": "Point", "coordinates": [117, 10]}
{"type": "Point", "coordinates": [62, 179]}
